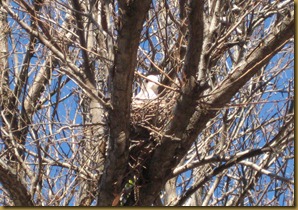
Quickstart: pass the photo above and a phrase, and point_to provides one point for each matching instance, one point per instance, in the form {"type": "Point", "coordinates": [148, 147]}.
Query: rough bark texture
{"type": "Point", "coordinates": [131, 18]}
{"type": "Point", "coordinates": [15, 187]}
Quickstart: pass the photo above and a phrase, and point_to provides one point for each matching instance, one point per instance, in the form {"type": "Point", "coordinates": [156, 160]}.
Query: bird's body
{"type": "Point", "coordinates": [148, 88]}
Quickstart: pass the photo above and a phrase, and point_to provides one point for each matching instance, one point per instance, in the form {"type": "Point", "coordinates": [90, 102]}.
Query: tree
{"type": "Point", "coordinates": [220, 132]}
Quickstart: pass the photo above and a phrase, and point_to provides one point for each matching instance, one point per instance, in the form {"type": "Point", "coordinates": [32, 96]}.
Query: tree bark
{"type": "Point", "coordinates": [15, 186]}
{"type": "Point", "coordinates": [132, 16]}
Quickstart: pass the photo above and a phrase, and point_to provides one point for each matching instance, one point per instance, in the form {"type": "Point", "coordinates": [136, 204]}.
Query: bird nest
{"type": "Point", "coordinates": [152, 116]}
{"type": "Point", "coordinates": [148, 119]}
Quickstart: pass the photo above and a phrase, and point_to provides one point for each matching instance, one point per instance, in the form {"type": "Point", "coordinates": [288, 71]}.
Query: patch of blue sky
{"type": "Point", "coordinates": [277, 94]}
{"type": "Point", "coordinates": [228, 63]}
{"type": "Point", "coordinates": [269, 21]}
{"type": "Point", "coordinates": [17, 9]}
{"type": "Point", "coordinates": [274, 194]}
{"type": "Point", "coordinates": [184, 181]}
{"type": "Point", "coordinates": [50, 184]}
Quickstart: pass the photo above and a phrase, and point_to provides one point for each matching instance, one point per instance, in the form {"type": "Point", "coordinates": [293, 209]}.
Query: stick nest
{"type": "Point", "coordinates": [152, 115]}
{"type": "Point", "coordinates": [148, 120]}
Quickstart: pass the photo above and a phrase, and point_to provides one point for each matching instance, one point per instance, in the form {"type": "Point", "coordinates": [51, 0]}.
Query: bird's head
{"type": "Point", "coordinates": [150, 82]}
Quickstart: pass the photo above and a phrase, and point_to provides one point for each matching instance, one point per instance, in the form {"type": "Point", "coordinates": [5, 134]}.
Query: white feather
{"type": "Point", "coordinates": [148, 88]}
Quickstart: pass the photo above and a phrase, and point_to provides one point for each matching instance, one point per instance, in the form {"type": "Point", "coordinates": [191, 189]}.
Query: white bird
{"type": "Point", "coordinates": [149, 88]}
